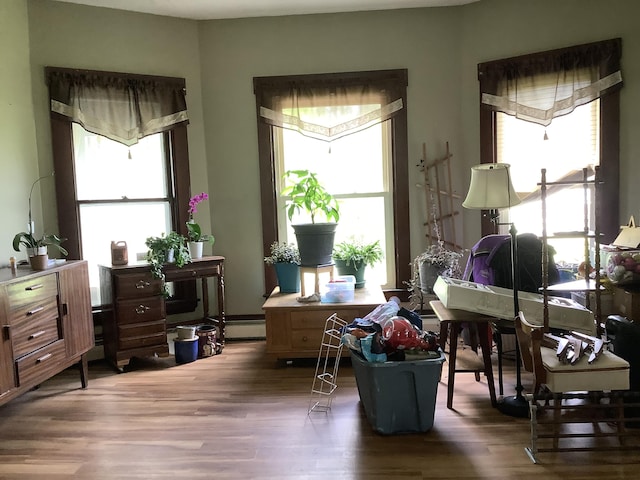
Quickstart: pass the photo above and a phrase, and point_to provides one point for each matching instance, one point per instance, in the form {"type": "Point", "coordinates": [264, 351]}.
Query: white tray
{"type": "Point", "coordinates": [564, 313]}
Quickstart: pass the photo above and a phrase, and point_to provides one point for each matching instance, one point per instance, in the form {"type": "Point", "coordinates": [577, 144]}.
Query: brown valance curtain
{"type": "Point", "coordinates": [542, 86]}
{"type": "Point", "coordinates": [119, 106]}
{"type": "Point", "coordinates": [312, 104]}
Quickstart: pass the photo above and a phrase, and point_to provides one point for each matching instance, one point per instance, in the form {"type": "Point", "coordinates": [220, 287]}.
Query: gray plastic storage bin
{"type": "Point", "coordinates": [398, 397]}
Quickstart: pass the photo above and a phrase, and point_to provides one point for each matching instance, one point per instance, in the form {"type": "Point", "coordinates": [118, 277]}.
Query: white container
{"type": "Point", "coordinates": [340, 290]}
{"type": "Point", "coordinates": [186, 332]}
{"type": "Point", "coordinates": [564, 313]}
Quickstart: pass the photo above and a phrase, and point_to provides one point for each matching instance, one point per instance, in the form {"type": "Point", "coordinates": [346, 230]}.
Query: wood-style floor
{"type": "Point", "coordinates": [240, 415]}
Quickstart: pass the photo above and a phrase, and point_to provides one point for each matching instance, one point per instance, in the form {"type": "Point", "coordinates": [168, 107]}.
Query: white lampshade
{"type": "Point", "coordinates": [491, 187]}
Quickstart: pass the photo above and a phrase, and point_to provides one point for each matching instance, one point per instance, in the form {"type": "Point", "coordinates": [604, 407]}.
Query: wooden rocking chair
{"type": "Point", "coordinates": [577, 389]}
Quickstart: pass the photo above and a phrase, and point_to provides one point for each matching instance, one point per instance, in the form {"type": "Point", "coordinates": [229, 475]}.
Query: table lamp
{"type": "Point", "coordinates": [491, 189]}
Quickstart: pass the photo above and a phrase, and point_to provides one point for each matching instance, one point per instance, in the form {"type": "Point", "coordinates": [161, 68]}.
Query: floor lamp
{"type": "Point", "coordinates": [491, 189]}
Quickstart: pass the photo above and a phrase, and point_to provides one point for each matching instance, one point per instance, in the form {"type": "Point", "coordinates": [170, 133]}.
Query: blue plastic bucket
{"type": "Point", "coordinates": [186, 350]}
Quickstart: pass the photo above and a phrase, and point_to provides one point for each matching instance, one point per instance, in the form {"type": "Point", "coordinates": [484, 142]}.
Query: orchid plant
{"type": "Point", "coordinates": [194, 231]}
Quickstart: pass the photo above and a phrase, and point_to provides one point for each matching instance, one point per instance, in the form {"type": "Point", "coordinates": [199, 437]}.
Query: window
{"type": "Point", "coordinates": [366, 169]}
{"type": "Point", "coordinates": [356, 170]}
{"type": "Point", "coordinates": [588, 135]}
{"type": "Point", "coordinates": [569, 144]}
{"type": "Point", "coordinates": [123, 190]}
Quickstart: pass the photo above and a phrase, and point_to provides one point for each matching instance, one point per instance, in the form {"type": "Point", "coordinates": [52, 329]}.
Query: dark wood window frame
{"type": "Point", "coordinates": [399, 159]}
{"type": "Point", "coordinates": [176, 146]}
{"type": "Point", "coordinates": [609, 146]}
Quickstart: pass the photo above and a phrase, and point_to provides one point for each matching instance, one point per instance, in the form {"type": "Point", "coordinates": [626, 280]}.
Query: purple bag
{"type": "Point", "coordinates": [478, 268]}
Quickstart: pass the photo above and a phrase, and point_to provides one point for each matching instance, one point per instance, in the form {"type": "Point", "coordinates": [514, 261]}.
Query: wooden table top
{"type": "Point", "coordinates": [445, 314]}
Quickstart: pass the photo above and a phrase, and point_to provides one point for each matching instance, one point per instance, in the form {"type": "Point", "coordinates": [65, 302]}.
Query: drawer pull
{"type": "Point", "coordinates": [35, 310]}
{"type": "Point", "coordinates": [141, 309]}
{"type": "Point", "coordinates": [140, 284]}
{"type": "Point", "coordinates": [34, 287]}
{"type": "Point", "coordinates": [44, 358]}
{"type": "Point", "coordinates": [305, 338]}
{"type": "Point", "coordinates": [37, 334]}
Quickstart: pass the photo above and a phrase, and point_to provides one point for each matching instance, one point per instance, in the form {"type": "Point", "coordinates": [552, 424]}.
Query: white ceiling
{"type": "Point", "coordinates": [216, 9]}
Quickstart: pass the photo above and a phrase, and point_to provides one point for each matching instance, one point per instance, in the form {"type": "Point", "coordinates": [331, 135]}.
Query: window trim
{"type": "Point", "coordinates": [179, 183]}
{"type": "Point", "coordinates": [609, 144]}
{"type": "Point", "coordinates": [399, 162]}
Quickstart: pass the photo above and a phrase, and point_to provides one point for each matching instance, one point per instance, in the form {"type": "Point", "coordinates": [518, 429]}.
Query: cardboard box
{"type": "Point", "coordinates": [626, 302]}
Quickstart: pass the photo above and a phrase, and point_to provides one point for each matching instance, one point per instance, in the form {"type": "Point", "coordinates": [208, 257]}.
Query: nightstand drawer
{"type": "Point", "coordinates": [35, 328]}
{"type": "Point", "coordinates": [32, 291]}
{"type": "Point", "coordinates": [136, 285]}
{"type": "Point", "coordinates": [142, 335]}
{"type": "Point", "coordinates": [41, 364]}
{"type": "Point", "coordinates": [140, 310]}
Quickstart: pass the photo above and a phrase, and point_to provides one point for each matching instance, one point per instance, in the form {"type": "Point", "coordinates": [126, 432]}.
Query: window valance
{"type": "Point", "coordinates": [119, 106]}
{"type": "Point", "coordinates": [542, 86]}
{"type": "Point", "coordinates": [300, 103]}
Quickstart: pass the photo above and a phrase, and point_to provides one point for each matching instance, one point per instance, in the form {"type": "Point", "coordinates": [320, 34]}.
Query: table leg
{"type": "Point", "coordinates": [454, 330]}
{"type": "Point", "coordinates": [488, 367]}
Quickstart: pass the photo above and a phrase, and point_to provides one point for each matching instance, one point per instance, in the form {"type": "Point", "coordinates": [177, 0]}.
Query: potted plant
{"type": "Point", "coordinates": [285, 258]}
{"type": "Point", "coordinates": [194, 231]}
{"type": "Point", "coordinates": [315, 240]}
{"type": "Point", "coordinates": [38, 248]}
{"type": "Point", "coordinates": [169, 248]}
{"type": "Point", "coordinates": [429, 265]}
{"type": "Point", "coordinates": [351, 258]}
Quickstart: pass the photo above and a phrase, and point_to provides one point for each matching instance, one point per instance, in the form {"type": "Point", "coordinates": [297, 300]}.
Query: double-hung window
{"type": "Point", "coordinates": [121, 165]}
{"type": "Point", "coordinates": [349, 129]}
{"type": "Point", "coordinates": [578, 88]}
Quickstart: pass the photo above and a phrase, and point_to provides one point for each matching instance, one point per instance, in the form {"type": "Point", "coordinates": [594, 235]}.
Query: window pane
{"type": "Point", "coordinates": [355, 169]}
{"type": "Point", "coordinates": [569, 144]}
{"type": "Point", "coordinates": [106, 169]}
{"type": "Point", "coordinates": [129, 222]}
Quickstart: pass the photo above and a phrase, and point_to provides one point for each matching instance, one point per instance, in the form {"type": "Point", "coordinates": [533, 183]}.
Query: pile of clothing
{"type": "Point", "coordinates": [390, 332]}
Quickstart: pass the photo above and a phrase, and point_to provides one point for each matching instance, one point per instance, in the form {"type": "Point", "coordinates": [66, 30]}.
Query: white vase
{"type": "Point", "coordinates": [195, 249]}
{"type": "Point", "coordinates": [171, 256]}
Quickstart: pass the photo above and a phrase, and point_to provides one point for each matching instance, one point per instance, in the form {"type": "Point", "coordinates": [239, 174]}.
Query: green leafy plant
{"type": "Point", "coordinates": [194, 231]}
{"type": "Point", "coordinates": [358, 254]}
{"type": "Point", "coordinates": [30, 242]}
{"type": "Point", "coordinates": [283, 253]}
{"type": "Point", "coordinates": [159, 254]}
{"type": "Point", "coordinates": [307, 194]}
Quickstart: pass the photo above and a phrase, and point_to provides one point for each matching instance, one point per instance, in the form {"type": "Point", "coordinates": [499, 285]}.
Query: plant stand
{"type": "Point", "coordinates": [316, 271]}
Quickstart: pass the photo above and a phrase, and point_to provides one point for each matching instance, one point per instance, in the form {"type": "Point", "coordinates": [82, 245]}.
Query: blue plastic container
{"type": "Point", "coordinates": [186, 350]}
{"type": "Point", "coordinates": [398, 397]}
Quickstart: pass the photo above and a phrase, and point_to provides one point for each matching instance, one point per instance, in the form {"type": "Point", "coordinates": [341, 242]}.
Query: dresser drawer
{"type": "Point", "coordinates": [142, 335]}
{"type": "Point", "coordinates": [187, 272]}
{"type": "Point", "coordinates": [34, 328]}
{"type": "Point", "coordinates": [136, 285]}
{"type": "Point", "coordinates": [315, 319]}
{"type": "Point", "coordinates": [32, 291]}
{"type": "Point", "coordinates": [41, 364]}
{"type": "Point", "coordinates": [140, 310]}
{"type": "Point", "coordinates": [307, 339]}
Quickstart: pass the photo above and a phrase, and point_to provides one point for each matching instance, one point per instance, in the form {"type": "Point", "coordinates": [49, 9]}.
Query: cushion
{"type": "Point", "coordinates": [607, 372]}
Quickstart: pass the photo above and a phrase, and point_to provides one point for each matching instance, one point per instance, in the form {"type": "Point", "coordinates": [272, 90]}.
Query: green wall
{"type": "Point", "coordinates": [441, 48]}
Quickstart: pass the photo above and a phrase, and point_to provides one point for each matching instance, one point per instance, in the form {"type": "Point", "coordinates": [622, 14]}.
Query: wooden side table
{"type": "Point", "coordinates": [453, 319]}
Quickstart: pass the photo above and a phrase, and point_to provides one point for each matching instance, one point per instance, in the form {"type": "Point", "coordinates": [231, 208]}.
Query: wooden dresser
{"type": "Point", "coordinates": [295, 330]}
{"type": "Point", "coordinates": [47, 325]}
{"type": "Point", "coordinates": [137, 326]}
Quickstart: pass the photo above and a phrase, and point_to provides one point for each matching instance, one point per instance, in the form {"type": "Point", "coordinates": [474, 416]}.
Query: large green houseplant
{"type": "Point", "coordinates": [307, 194]}
{"type": "Point", "coordinates": [351, 258]}
{"type": "Point", "coordinates": [170, 248]}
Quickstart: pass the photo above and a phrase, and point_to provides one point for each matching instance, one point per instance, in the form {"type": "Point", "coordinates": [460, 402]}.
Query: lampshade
{"type": "Point", "coordinates": [491, 187]}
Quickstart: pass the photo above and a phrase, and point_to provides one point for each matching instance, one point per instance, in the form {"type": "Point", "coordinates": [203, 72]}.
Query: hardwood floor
{"type": "Point", "coordinates": [239, 415]}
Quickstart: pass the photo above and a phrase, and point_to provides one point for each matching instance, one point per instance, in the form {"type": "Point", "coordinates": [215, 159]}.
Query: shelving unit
{"type": "Point", "coordinates": [326, 375]}
{"type": "Point", "coordinates": [590, 232]}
